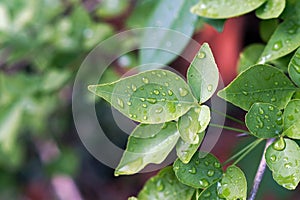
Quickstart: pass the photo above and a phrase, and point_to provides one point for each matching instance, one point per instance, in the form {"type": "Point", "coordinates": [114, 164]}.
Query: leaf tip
{"type": "Point", "coordinates": [92, 88]}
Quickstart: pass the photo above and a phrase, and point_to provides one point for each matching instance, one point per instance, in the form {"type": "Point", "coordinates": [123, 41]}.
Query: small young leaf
{"type": "Point", "coordinates": [173, 16]}
{"type": "Point", "coordinates": [150, 97]}
{"type": "Point", "coordinates": [142, 151]}
{"type": "Point", "coordinates": [165, 186]}
{"type": "Point", "coordinates": [284, 40]}
{"type": "Point", "coordinates": [264, 120]}
{"type": "Point", "coordinates": [220, 9]}
{"type": "Point", "coordinates": [203, 74]}
{"type": "Point", "coordinates": [270, 9]}
{"type": "Point", "coordinates": [185, 151]}
{"type": "Point", "coordinates": [260, 83]}
{"type": "Point", "coordinates": [249, 56]}
{"type": "Point", "coordinates": [285, 164]}
{"type": "Point", "coordinates": [233, 184]}
{"type": "Point", "coordinates": [294, 68]}
{"type": "Point", "coordinates": [193, 122]}
{"type": "Point", "coordinates": [199, 172]}
{"type": "Point", "coordinates": [291, 118]}
{"type": "Point", "coordinates": [210, 193]}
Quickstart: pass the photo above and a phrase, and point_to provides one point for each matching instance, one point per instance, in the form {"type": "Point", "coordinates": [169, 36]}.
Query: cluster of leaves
{"type": "Point", "coordinates": [171, 112]}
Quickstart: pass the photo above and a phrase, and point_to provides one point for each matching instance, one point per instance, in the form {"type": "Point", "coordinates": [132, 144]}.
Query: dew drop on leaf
{"type": "Point", "coordinates": [277, 46]}
{"type": "Point", "coordinates": [201, 55]}
{"type": "Point", "coordinates": [273, 158]}
{"type": "Point", "coordinates": [279, 145]}
{"type": "Point", "coordinates": [192, 170]}
{"type": "Point", "coordinates": [151, 100]}
{"type": "Point", "coordinates": [210, 172]}
{"type": "Point", "coordinates": [120, 103]}
{"type": "Point", "coordinates": [160, 186]}
{"type": "Point", "coordinates": [145, 80]}
{"type": "Point", "coordinates": [204, 183]}
{"type": "Point", "coordinates": [183, 92]}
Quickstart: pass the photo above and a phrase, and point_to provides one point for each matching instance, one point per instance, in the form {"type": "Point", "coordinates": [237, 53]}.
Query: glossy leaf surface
{"type": "Point", "coordinates": [284, 163]}
{"type": "Point", "coordinates": [142, 151]}
{"type": "Point", "coordinates": [203, 74]}
{"type": "Point", "coordinates": [264, 120]}
{"type": "Point", "coordinates": [260, 83]}
{"type": "Point", "coordinates": [270, 9]}
{"type": "Point", "coordinates": [219, 9]}
{"type": "Point", "coordinates": [210, 193]}
{"type": "Point", "coordinates": [233, 184]}
{"type": "Point", "coordinates": [294, 68]}
{"type": "Point", "coordinates": [291, 118]}
{"type": "Point", "coordinates": [199, 172]}
{"type": "Point", "coordinates": [155, 96]}
{"type": "Point", "coordinates": [165, 186]}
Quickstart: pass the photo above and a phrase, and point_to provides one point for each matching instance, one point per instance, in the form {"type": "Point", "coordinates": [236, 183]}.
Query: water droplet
{"type": "Point", "coordinates": [129, 103]}
{"type": "Point", "coordinates": [277, 46]}
{"type": "Point", "coordinates": [192, 170]}
{"type": "Point", "coordinates": [203, 183]}
{"type": "Point", "coordinates": [206, 163]}
{"type": "Point", "coordinates": [120, 102]}
{"type": "Point", "coordinates": [210, 173]}
{"type": "Point", "coordinates": [207, 194]}
{"type": "Point", "coordinates": [273, 99]}
{"type": "Point", "coordinates": [130, 115]}
{"type": "Point", "coordinates": [210, 87]}
{"type": "Point", "coordinates": [170, 92]}
{"type": "Point", "coordinates": [261, 111]}
{"type": "Point", "coordinates": [296, 110]}
{"type": "Point", "coordinates": [279, 145]}
{"type": "Point", "coordinates": [271, 108]}
{"type": "Point", "coordinates": [133, 87]}
{"type": "Point", "coordinates": [163, 93]}
{"type": "Point", "coordinates": [183, 92]}
{"type": "Point", "coordinates": [201, 55]}
{"type": "Point", "coordinates": [279, 121]}
{"type": "Point", "coordinates": [151, 100]}
{"type": "Point", "coordinates": [166, 84]}
{"type": "Point", "coordinates": [145, 80]}
{"type": "Point", "coordinates": [134, 116]}
{"type": "Point", "coordinates": [145, 117]}
{"type": "Point", "coordinates": [142, 99]}
{"type": "Point", "coordinates": [260, 122]}
{"type": "Point", "coordinates": [159, 110]}
{"type": "Point", "coordinates": [217, 165]}
{"type": "Point", "coordinates": [273, 158]}
{"type": "Point", "coordinates": [245, 93]}
{"type": "Point", "coordinates": [164, 73]}
{"type": "Point", "coordinates": [144, 105]}
{"type": "Point", "coordinates": [197, 162]}
{"type": "Point", "coordinates": [160, 186]}
{"type": "Point", "coordinates": [296, 67]}
{"type": "Point", "coordinates": [288, 165]}
{"type": "Point", "coordinates": [276, 83]}
{"type": "Point", "coordinates": [156, 92]}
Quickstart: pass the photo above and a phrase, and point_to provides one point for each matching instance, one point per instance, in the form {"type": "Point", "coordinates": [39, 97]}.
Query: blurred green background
{"type": "Point", "coordinates": [42, 45]}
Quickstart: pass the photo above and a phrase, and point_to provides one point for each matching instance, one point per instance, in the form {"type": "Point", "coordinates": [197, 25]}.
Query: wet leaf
{"type": "Point", "coordinates": [203, 74]}
{"type": "Point", "coordinates": [249, 56]}
{"type": "Point", "coordinates": [200, 172]}
{"type": "Point", "coordinates": [264, 120]}
{"type": "Point", "coordinates": [165, 186]}
{"type": "Point", "coordinates": [150, 97]}
{"type": "Point", "coordinates": [294, 68]}
{"type": "Point", "coordinates": [284, 40]}
{"type": "Point", "coordinates": [291, 118]}
{"type": "Point", "coordinates": [260, 83]}
{"type": "Point", "coordinates": [220, 9]}
{"type": "Point", "coordinates": [142, 151]}
{"type": "Point", "coordinates": [233, 184]}
{"type": "Point", "coordinates": [210, 193]}
{"type": "Point", "coordinates": [285, 164]}
{"type": "Point", "coordinates": [174, 16]}
{"type": "Point", "coordinates": [270, 9]}
{"type": "Point", "coordinates": [267, 28]}
{"type": "Point", "coordinates": [185, 150]}
{"type": "Point", "coordinates": [193, 122]}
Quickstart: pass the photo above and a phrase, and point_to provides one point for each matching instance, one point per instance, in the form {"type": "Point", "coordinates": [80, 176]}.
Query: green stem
{"type": "Point", "coordinates": [228, 128]}
{"type": "Point", "coordinates": [248, 151]}
{"type": "Point", "coordinates": [228, 116]}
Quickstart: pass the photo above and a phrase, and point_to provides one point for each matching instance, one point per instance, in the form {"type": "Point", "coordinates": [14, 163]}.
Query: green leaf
{"type": "Point", "coordinates": [233, 184]}
{"type": "Point", "coordinates": [294, 68]}
{"type": "Point", "coordinates": [185, 150]}
{"type": "Point", "coordinates": [200, 172]}
{"type": "Point", "coordinates": [153, 97]}
{"type": "Point", "coordinates": [249, 56]}
{"type": "Point", "coordinates": [142, 151]}
{"type": "Point", "coordinates": [284, 40]}
{"type": "Point", "coordinates": [218, 24]}
{"type": "Point", "coordinates": [270, 9]}
{"type": "Point", "coordinates": [291, 118]}
{"type": "Point", "coordinates": [210, 193]}
{"type": "Point", "coordinates": [193, 122]}
{"type": "Point", "coordinates": [219, 9]}
{"type": "Point", "coordinates": [267, 28]}
{"type": "Point", "coordinates": [264, 120]}
{"type": "Point", "coordinates": [165, 186]}
{"type": "Point", "coordinates": [285, 164]}
{"type": "Point", "coordinates": [203, 74]}
{"type": "Point", "coordinates": [260, 83]}
{"type": "Point", "coordinates": [174, 16]}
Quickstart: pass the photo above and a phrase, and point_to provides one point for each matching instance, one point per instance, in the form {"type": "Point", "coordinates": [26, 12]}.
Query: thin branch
{"type": "Point", "coordinates": [260, 172]}
{"type": "Point", "coordinates": [228, 128]}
